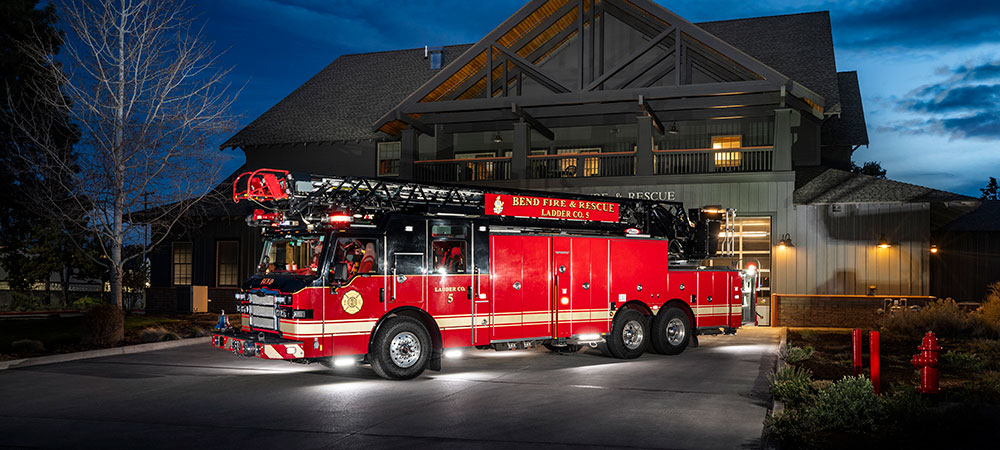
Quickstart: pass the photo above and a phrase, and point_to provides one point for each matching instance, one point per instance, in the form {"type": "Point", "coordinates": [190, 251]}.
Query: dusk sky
{"type": "Point", "coordinates": [929, 70]}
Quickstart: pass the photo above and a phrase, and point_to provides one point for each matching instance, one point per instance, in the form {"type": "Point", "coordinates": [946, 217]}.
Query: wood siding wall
{"type": "Point", "coordinates": [967, 262]}
{"type": "Point", "coordinates": [836, 253]}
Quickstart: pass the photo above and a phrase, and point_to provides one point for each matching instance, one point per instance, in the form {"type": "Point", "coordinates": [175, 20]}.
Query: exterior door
{"type": "Point", "coordinates": [506, 287]}
{"type": "Point", "coordinates": [408, 265]}
{"type": "Point", "coordinates": [536, 281]}
{"type": "Point", "coordinates": [450, 279]}
{"type": "Point", "coordinates": [521, 281]}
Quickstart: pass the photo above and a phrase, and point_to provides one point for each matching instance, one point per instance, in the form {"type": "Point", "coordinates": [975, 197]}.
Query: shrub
{"type": "Point", "coordinates": [989, 312]}
{"type": "Point", "coordinates": [152, 334]}
{"type": "Point", "coordinates": [86, 303]}
{"type": "Point", "coordinates": [170, 336]}
{"type": "Point", "coordinates": [792, 428]}
{"type": "Point", "coordinates": [22, 301]}
{"type": "Point", "coordinates": [792, 385]}
{"type": "Point", "coordinates": [961, 362]}
{"type": "Point", "coordinates": [27, 346]}
{"type": "Point", "coordinates": [848, 405]}
{"type": "Point", "coordinates": [944, 317]}
{"type": "Point", "coordinates": [104, 325]}
{"type": "Point", "coordinates": [792, 354]}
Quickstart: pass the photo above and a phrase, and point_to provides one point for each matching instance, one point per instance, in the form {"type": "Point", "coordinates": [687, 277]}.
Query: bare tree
{"type": "Point", "coordinates": [148, 99]}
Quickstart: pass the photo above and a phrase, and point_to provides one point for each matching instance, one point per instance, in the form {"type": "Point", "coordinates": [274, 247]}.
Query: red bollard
{"type": "Point", "coordinates": [856, 341]}
{"type": "Point", "coordinates": [876, 369]}
{"type": "Point", "coordinates": [927, 361]}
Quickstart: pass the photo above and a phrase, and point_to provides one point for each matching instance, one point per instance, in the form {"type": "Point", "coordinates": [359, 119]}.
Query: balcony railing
{"type": "Point", "coordinates": [582, 165]}
{"type": "Point", "coordinates": [729, 160]}
{"type": "Point", "coordinates": [478, 169]}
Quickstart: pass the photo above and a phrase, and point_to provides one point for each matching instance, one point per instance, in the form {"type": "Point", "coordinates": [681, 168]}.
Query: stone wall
{"type": "Point", "coordinates": [859, 312]}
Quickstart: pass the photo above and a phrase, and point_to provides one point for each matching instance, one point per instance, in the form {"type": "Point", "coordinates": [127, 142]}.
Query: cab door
{"type": "Point", "coordinates": [450, 280]}
{"type": "Point", "coordinates": [407, 262]}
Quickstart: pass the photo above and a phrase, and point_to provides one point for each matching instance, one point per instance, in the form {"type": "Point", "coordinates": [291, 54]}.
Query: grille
{"type": "Point", "coordinates": [262, 312]}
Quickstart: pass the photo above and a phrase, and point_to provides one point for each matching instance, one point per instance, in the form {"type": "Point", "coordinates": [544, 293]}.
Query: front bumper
{"type": "Point", "coordinates": [246, 344]}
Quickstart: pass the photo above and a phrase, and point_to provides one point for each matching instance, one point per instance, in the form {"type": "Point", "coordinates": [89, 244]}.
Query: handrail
{"type": "Point", "coordinates": [669, 150]}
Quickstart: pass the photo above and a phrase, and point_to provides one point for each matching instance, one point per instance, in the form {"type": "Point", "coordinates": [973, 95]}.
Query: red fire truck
{"type": "Point", "coordinates": [392, 273]}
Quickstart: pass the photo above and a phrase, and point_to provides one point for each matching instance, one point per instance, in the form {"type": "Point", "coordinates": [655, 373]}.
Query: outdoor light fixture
{"type": "Point", "coordinates": [786, 241]}
{"type": "Point", "coordinates": [673, 128]}
{"type": "Point", "coordinates": [934, 248]}
{"type": "Point", "coordinates": [883, 242]}
{"type": "Point", "coordinates": [497, 138]}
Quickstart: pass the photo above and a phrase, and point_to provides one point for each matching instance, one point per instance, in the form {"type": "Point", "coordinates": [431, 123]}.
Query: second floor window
{"type": "Point", "coordinates": [730, 158]}
{"type": "Point", "coordinates": [388, 158]}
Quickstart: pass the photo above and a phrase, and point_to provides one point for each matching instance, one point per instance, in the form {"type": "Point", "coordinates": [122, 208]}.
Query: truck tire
{"type": "Point", "coordinates": [671, 331]}
{"type": "Point", "coordinates": [401, 349]}
{"type": "Point", "coordinates": [629, 334]}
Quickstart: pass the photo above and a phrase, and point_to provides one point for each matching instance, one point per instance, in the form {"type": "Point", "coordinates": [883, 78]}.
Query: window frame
{"type": "Point", "coordinates": [379, 159]}
{"type": "Point", "coordinates": [235, 263]}
{"type": "Point", "coordinates": [174, 263]}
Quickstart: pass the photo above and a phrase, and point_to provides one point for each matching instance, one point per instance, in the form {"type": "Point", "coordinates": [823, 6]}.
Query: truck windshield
{"type": "Point", "coordinates": [291, 254]}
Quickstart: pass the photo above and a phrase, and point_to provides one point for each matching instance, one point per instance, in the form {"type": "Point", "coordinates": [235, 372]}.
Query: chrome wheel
{"type": "Point", "coordinates": [632, 334]}
{"type": "Point", "coordinates": [404, 349]}
{"type": "Point", "coordinates": [676, 331]}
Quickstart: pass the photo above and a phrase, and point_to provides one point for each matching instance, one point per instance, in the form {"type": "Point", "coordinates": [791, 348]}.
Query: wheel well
{"type": "Point", "coordinates": [637, 305]}
{"type": "Point", "coordinates": [423, 317]}
{"type": "Point", "coordinates": [676, 303]}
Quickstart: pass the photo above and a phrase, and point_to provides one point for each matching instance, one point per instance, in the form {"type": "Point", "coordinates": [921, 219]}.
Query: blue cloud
{"type": "Point", "coordinates": [962, 105]}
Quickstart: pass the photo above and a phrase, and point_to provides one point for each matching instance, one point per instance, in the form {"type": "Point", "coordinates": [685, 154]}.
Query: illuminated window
{"type": "Point", "coordinates": [479, 170]}
{"type": "Point", "coordinates": [388, 158]}
{"type": "Point", "coordinates": [227, 263]}
{"type": "Point", "coordinates": [727, 159]}
{"type": "Point", "coordinates": [568, 165]}
{"type": "Point", "coordinates": [182, 261]}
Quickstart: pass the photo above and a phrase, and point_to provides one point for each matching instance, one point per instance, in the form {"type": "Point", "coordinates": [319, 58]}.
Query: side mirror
{"type": "Point", "coordinates": [340, 272]}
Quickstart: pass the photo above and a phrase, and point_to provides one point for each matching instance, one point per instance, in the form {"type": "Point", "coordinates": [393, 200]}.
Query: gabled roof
{"type": "Point", "coordinates": [799, 46]}
{"type": "Point", "coordinates": [849, 127]}
{"type": "Point", "coordinates": [838, 186]}
{"type": "Point", "coordinates": [984, 218]}
{"type": "Point", "coordinates": [343, 100]}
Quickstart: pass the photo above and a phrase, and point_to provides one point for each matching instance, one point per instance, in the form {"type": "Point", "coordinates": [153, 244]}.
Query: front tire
{"type": "Point", "coordinates": [629, 334]}
{"type": "Point", "coordinates": [671, 331]}
{"type": "Point", "coordinates": [401, 349]}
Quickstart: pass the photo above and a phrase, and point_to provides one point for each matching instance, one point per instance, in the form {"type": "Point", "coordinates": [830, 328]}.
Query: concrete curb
{"type": "Point", "coordinates": [129, 349]}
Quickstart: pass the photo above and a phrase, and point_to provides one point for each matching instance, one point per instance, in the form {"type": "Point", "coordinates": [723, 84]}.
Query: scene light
{"type": "Point", "coordinates": [589, 337]}
{"type": "Point", "coordinates": [340, 218]}
{"type": "Point", "coordinates": [343, 362]}
{"type": "Point", "coordinates": [453, 354]}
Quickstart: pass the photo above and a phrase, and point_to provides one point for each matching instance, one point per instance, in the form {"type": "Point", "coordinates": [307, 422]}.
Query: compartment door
{"type": "Point", "coordinates": [506, 286]}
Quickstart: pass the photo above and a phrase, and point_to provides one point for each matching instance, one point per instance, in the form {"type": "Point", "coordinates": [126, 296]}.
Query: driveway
{"type": "Point", "coordinates": [713, 396]}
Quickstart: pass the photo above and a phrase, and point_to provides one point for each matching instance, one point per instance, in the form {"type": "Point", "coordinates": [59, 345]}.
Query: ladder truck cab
{"type": "Point", "coordinates": [393, 273]}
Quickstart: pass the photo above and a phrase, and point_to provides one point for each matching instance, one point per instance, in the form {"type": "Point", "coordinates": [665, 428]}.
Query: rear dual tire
{"type": "Point", "coordinates": [671, 331]}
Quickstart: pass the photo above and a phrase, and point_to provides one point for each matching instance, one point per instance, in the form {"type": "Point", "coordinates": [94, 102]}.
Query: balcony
{"type": "Point", "coordinates": [583, 165]}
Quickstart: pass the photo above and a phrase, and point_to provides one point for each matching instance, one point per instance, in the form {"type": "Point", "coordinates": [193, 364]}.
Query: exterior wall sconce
{"type": "Point", "coordinates": [785, 242]}
{"type": "Point", "coordinates": [673, 128]}
{"type": "Point", "coordinates": [497, 138]}
{"type": "Point", "coordinates": [934, 248]}
{"type": "Point", "coordinates": [883, 242]}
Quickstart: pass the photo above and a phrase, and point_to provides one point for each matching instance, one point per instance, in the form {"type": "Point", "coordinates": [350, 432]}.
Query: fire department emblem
{"type": "Point", "coordinates": [498, 206]}
{"type": "Point", "coordinates": [352, 302]}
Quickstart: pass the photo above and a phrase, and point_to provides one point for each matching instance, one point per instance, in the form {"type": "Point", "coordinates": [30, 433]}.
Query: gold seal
{"type": "Point", "coordinates": [352, 302]}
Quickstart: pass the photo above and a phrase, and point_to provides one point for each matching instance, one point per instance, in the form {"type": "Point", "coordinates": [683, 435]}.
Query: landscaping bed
{"type": "Point", "coordinates": [825, 406]}
{"type": "Point", "coordinates": [24, 338]}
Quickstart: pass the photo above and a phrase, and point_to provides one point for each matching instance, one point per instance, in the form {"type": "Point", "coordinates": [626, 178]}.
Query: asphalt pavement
{"type": "Point", "coordinates": [713, 396]}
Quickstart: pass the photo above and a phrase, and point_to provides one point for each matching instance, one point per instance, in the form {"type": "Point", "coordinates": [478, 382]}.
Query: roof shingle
{"type": "Point", "coordinates": [838, 186]}
{"type": "Point", "coordinates": [343, 100]}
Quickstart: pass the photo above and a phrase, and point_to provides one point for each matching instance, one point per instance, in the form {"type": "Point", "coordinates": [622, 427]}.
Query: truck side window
{"type": "Point", "coordinates": [449, 249]}
{"type": "Point", "coordinates": [360, 255]}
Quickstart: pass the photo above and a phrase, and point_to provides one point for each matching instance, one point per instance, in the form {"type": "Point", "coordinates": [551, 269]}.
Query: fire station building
{"type": "Point", "coordinates": [619, 98]}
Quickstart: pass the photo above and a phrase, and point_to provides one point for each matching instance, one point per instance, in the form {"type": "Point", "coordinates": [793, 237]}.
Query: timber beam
{"type": "Point", "coordinates": [652, 114]}
{"type": "Point", "coordinates": [416, 124]}
{"type": "Point", "coordinates": [532, 122]}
